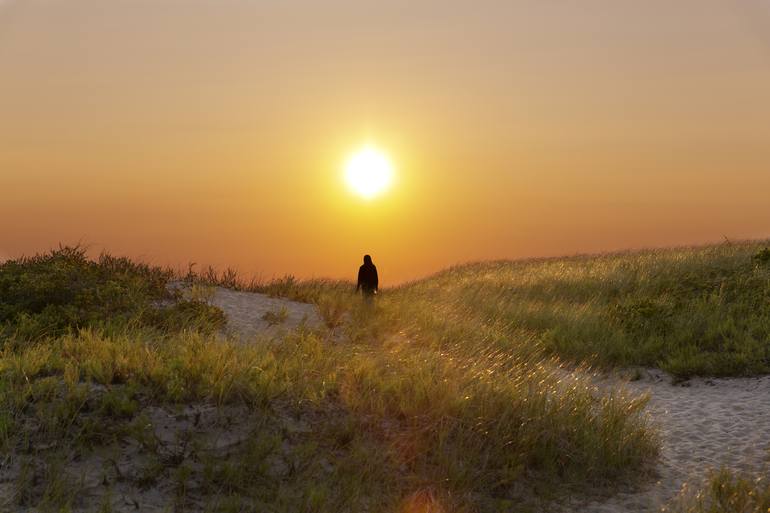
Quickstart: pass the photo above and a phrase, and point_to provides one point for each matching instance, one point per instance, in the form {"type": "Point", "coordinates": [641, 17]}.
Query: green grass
{"type": "Point", "coordinates": [449, 395]}
{"type": "Point", "coordinates": [692, 311]}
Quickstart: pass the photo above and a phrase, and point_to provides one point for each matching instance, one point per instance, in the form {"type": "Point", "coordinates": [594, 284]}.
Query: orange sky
{"type": "Point", "coordinates": [215, 131]}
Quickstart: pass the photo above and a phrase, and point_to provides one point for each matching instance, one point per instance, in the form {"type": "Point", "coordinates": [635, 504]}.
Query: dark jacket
{"type": "Point", "coordinates": [368, 280]}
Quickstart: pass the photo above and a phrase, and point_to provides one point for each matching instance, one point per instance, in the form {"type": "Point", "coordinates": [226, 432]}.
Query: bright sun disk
{"type": "Point", "coordinates": [368, 173]}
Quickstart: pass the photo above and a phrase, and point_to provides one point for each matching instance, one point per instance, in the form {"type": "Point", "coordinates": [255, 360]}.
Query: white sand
{"type": "Point", "coordinates": [704, 424]}
{"type": "Point", "coordinates": [246, 310]}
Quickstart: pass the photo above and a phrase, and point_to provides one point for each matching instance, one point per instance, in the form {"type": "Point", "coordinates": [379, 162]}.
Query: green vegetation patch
{"type": "Point", "coordinates": [694, 311]}
{"type": "Point", "coordinates": [49, 294]}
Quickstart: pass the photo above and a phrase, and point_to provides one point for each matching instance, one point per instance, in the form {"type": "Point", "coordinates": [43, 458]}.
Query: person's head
{"type": "Point", "coordinates": [367, 260]}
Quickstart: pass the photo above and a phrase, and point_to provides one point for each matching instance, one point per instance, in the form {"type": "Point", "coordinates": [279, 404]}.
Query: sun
{"type": "Point", "coordinates": [368, 172]}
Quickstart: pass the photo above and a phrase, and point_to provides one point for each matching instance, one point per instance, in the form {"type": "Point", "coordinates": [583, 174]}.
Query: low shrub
{"type": "Point", "coordinates": [49, 294]}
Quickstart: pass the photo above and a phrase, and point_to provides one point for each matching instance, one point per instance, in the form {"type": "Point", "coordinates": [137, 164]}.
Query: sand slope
{"type": "Point", "coordinates": [704, 424]}
{"type": "Point", "coordinates": [246, 312]}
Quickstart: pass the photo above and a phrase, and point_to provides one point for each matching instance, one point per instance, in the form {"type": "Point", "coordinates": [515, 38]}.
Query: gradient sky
{"type": "Point", "coordinates": [215, 131]}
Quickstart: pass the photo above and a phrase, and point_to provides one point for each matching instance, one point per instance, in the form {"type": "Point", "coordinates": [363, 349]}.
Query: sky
{"type": "Point", "coordinates": [216, 131]}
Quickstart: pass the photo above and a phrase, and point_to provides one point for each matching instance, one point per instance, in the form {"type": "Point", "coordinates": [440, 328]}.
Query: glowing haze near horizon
{"type": "Point", "coordinates": [217, 131]}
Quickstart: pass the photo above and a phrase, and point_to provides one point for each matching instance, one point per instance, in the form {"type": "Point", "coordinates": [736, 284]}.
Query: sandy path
{"type": "Point", "coordinates": [704, 424]}
{"type": "Point", "coordinates": [246, 310]}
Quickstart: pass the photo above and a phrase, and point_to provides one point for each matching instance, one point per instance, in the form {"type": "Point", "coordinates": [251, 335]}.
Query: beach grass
{"type": "Point", "coordinates": [689, 311]}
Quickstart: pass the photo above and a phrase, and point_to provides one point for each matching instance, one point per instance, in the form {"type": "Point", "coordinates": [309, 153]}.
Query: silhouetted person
{"type": "Point", "coordinates": [368, 281]}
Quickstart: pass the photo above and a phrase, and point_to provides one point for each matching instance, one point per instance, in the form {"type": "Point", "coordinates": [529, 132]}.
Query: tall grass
{"type": "Point", "coordinates": [690, 311]}
{"type": "Point", "coordinates": [475, 425]}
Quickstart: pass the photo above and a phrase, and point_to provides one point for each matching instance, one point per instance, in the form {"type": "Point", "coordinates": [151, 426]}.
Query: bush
{"type": "Point", "coordinates": [49, 294]}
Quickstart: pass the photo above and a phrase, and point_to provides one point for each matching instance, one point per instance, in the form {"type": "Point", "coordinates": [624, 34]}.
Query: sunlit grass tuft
{"type": "Point", "coordinates": [725, 492]}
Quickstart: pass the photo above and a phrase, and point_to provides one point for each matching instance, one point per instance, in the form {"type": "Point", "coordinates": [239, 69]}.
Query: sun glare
{"type": "Point", "coordinates": [368, 173]}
